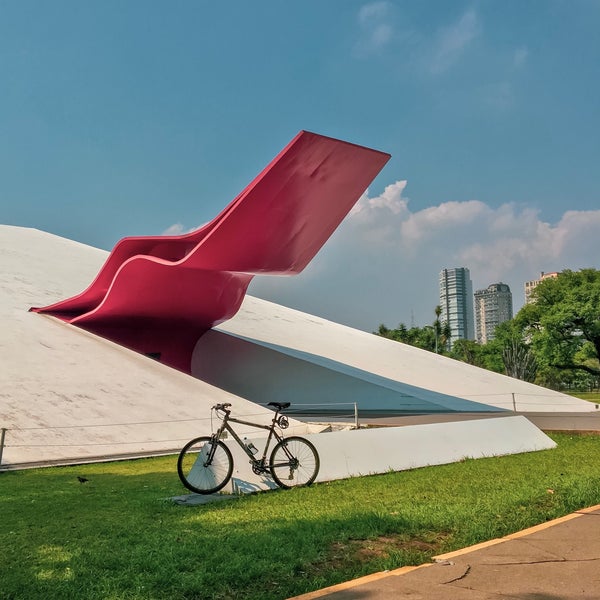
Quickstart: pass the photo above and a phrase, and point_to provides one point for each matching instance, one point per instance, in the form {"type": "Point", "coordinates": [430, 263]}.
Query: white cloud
{"type": "Point", "coordinates": [175, 229]}
{"type": "Point", "coordinates": [520, 57]}
{"type": "Point", "coordinates": [391, 199]}
{"type": "Point", "coordinates": [451, 42]}
{"type": "Point", "coordinates": [381, 35]}
{"type": "Point", "coordinates": [500, 95]}
{"type": "Point", "coordinates": [383, 262]}
{"type": "Point", "coordinates": [375, 30]}
{"type": "Point", "coordinates": [178, 229]}
{"type": "Point", "coordinates": [373, 11]}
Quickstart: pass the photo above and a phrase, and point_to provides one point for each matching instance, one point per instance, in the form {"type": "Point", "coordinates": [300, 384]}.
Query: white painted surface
{"type": "Point", "coordinates": [369, 451]}
{"type": "Point", "coordinates": [66, 394]}
{"type": "Point", "coordinates": [428, 379]}
{"type": "Point", "coordinates": [265, 374]}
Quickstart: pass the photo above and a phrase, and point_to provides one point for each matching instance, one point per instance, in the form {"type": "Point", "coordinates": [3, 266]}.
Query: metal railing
{"type": "Point", "coordinates": [338, 411]}
{"type": "Point", "coordinates": [332, 413]}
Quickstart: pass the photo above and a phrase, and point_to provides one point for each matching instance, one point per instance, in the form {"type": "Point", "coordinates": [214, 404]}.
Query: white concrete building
{"type": "Point", "coordinates": [68, 395]}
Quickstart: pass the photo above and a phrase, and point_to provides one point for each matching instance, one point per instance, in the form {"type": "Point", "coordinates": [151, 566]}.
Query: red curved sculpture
{"type": "Point", "coordinates": [158, 295]}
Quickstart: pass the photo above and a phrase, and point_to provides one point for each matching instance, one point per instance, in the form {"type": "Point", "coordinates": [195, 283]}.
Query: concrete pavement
{"type": "Point", "coordinates": [558, 560]}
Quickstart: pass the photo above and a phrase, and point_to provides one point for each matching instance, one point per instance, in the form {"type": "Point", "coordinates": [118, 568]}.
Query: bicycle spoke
{"type": "Point", "coordinates": [294, 462]}
{"type": "Point", "coordinates": [200, 474]}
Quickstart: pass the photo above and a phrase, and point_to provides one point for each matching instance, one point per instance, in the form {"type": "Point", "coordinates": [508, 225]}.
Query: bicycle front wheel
{"type": "Point", "coordinates": [294, 462]}
{"type": "Point", "coordinates": [198, 471]}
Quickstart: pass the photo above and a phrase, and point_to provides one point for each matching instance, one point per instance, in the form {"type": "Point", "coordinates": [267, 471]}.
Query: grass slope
{"type": "Point", "coordinates": [118, 536]}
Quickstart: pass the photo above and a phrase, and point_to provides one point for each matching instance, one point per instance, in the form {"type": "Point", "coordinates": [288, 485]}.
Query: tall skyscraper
{"type": "Point", "coordinates": [492, 307]}
{"type": "Point", "coordinates": [456, 300]}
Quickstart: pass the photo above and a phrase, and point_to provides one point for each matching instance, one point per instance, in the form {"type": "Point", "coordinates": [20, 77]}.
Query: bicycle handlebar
{"type": "Point", "coordinates": [224, 406]}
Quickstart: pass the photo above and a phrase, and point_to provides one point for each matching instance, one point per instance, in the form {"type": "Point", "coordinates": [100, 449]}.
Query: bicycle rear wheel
{"type": "Point", "coordinates": [294, 462]}
{"type": "Point", "coordinates": [196, 473]}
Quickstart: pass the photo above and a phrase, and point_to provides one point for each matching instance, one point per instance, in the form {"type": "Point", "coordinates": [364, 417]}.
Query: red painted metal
{"type": "Point", "coordinates": [159, 294]}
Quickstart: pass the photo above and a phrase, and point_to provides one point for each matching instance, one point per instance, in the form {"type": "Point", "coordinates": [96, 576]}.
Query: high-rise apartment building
{"type": "Point", "coordinates": [456, 300]}
{"type": "Point", "coordinates": [492, 306]}
{"type": "Point", "coordinates": [531, 285]}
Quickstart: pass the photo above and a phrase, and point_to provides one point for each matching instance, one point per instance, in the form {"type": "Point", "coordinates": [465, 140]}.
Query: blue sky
{"type": "Point", "coordinates": [135, 118]}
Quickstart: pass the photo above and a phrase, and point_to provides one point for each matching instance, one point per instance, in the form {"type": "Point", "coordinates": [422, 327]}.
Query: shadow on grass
{"type": "Point", "coordinates": [117, 535]}
{"type": "Point", "coordinates": [120, 536]}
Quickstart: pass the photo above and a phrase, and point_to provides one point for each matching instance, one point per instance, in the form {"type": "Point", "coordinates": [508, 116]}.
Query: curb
{"type": "Point", "coordinates": [346, 585]}
{"type": "Point", "coordinates": [516, 535]}
{"type": "Point", "coordinates": [442, 557]}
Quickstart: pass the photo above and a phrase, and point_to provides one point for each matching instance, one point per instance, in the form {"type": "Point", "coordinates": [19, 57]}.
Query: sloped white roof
{"type": "Point", "coordinates": [410, 371]}
{"type": "Point", "coordinates": [66, 393]}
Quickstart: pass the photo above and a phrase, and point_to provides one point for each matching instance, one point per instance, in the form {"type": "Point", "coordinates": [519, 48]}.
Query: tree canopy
{"type": "Point", "coordinates": [554, 340]}
{"type": "Point", "coordinates": [433, 337]}
{"type": "Point", "coordinates": [563, 322]}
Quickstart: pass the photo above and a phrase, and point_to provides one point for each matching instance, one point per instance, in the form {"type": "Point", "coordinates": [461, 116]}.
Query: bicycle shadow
{"type": "Point", "coordinates": [237, 488]}
{"type": "Point", "coordinates": [242, 486]}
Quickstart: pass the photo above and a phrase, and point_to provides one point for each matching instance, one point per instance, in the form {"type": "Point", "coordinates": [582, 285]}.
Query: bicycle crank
{"type": "Point", "coordinates": [258, 469]}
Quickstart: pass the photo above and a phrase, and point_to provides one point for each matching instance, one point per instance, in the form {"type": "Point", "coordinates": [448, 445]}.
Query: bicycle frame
{"type": "Point", "coordinates": [225, 426]}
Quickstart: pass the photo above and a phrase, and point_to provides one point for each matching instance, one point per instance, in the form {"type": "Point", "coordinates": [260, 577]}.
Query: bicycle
{"type": "Point", "coordinates": [205, 464]}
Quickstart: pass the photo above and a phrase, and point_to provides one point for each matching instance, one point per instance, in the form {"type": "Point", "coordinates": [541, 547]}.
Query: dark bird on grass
{"type": "Point", "coordinates": [82, 479]}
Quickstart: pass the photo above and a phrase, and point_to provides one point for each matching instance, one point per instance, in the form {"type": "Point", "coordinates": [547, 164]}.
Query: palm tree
{"type": "Point", "coordinates": [437, 327]}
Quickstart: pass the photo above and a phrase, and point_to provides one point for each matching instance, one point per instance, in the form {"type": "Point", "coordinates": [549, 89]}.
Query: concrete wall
{"type": "Point", "coordinates": [369, 451]}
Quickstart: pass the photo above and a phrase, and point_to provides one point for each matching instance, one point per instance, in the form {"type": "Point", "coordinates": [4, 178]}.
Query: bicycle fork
{"type": "Point", "coordinates": [213, 447]}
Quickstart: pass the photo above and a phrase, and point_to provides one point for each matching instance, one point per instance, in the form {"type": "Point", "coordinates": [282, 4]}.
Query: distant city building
{"type": "Point", "coordinates": [531, 285]}
{"type": "Point", "coordinates": [492, 306]}
{"type": "Point", "coordinates": [456, 300]}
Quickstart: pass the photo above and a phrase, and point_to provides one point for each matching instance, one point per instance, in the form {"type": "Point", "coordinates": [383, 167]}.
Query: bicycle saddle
{"type": "Point", "coordinates": [279, 405]}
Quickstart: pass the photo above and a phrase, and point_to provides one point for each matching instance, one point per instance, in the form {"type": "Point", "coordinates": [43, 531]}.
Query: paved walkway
{"type": "Point", "coordinates": [559, 560]}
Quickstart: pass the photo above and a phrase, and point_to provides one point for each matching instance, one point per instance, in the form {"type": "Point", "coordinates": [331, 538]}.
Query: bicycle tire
{"type": "Point", "coordinates": [285, 473]}
{"type": "Point", "coordinates": [195, 474]}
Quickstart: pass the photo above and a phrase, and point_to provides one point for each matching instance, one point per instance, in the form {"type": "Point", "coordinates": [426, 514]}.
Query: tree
{"type": "Point", "coordinates": [467, 351]}
{"type": "Point", "coordinates": [383, 331]}
{"type": "Point", "coordinates": [555, 340]}
{"type": "Point", "coordinates": [437, 327]}
{"type": "Point", "coordinates": [420, 337]}
{"type": "Point", "coordinates": [442, 332]}
{"type": "Point", "coordinates": [563, 322]}
{"type": "Point", "coordinates": [433, 338]}
{"type": "Point", "coordinates": [512, 341]}
{"type": "Point", "coordinates": [519, 360]}
{"type": "Point", "coordinates": [487, 356]}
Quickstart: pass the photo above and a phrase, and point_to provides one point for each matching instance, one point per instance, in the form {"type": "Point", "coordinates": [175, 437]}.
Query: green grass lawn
{"type": "Point", "coordinates": [119, 536]}
{"type": "Point", "coordinates": [590, 396]}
